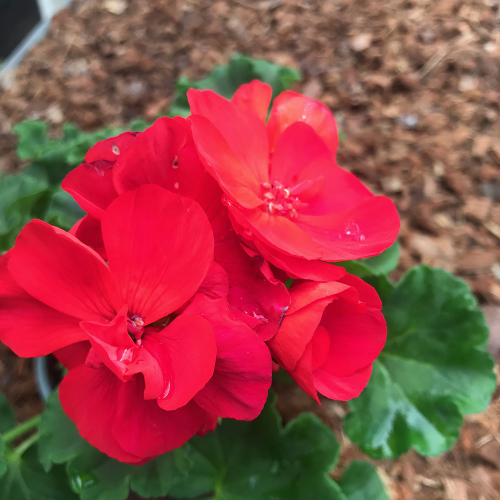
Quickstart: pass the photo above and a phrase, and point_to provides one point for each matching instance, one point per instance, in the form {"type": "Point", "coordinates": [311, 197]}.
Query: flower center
{"type": "Point", "coordinates": [279, 199]}
{"type": "Point", "coordinates": [135, 327]}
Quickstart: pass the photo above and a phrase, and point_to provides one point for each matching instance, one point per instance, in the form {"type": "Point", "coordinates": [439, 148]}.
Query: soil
{"type": "Point", "coordinates": [414, 85]}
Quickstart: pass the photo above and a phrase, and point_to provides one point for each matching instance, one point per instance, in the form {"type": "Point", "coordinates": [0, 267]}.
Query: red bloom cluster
{"type": "Point", "coordinates": [167, 301]}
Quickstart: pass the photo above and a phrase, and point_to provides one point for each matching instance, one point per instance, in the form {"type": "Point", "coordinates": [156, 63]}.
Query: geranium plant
{"type": "Point", "coordinates": [212, 251]}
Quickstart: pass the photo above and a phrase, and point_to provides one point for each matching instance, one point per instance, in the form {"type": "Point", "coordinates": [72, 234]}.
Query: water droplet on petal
{"type": "Point", "coordinates": [116, 149]}
{"type": "Point", "coordinates": [100, 166]}
{"type": "Point", "coordinates": [127, 355]}
{"type": "Point", "coordinates": [176, 185]}
{"type": "Point", "coordinates": [352, 230]}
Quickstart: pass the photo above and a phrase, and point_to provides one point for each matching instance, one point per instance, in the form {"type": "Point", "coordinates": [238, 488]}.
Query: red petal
{"type": "Point", "coordinates": [29, 327]}
{"type": "Point", "coordinates": [356, 338]}
{"type": "Point", "coordinates": [234, 123]}
{"type": "Point", "coordinates": [363, 231]}
{"type": "Point", "coordinates": [290, 107]}
{"type": "Point", "coordinates": [234, 177]}
{"type": "Point", "coordinates": [209, 425]}
{"type": "Point", "coordinates": [243, 371]}
{"type": "Point", "coordinates": [302, 373]}
{"type": "Point", "coordinates": [216, 283]}
{"type": "Point", "coordinates": [341, 388]}
{"type": "Point", "coordinates": [73, 355]}
{"type": "Point", "coordinates": [88, 231]}
{"type": "Point", "coordinates": [91, 184]}
{"type": "Point", "coordinates": [296, 148]}
{"type": "Point", "coordinates": [309, 301]}
{"type": "Point", "coordinates": [185, 352]}
{"type": "Point", "coordinates": [162, 155]}
{"type": "Point", "coordinates": [308, 292]}
{"type": "Point", "coordinates": [237, 159]}
{"type": "Point", "coordinates": [295, 267]}
{"type": "Point", "coordinates": [254, 97]}
{"type": "Point", "coordinates": [90, 397]}
{"type": "Point", "coordinates": [110, 149]}
{"type": "Point", "coordinates": [320, 344]}
{"type": "Point", "coordinates": [339, 190]}
{"type": "Point", "coordinates": [366, 292]}
{"type": "Point", "coordinates": [159, 247]}
{"type": "Point", "coordinates": [263, 301]}
{"type": "Point", "coordinates": [57, 269]}
{"type": "Point", "coordinates": [144, 429]}
{"type": "Point", "coordinates": [176, 361]}
{"type": "Point", "coordinates": [276, 231]}
{"type": "Point", "coordinates": [92, 189]}
{"type": "Point", "coordinates": [113, 345]}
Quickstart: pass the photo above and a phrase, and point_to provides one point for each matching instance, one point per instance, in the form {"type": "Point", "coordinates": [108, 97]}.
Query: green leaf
{"type": "Point", "coordinates": [260, 460]}
{"type": "Point", "coordinates": [63, 211]}
{"type": "Point", "coordinates": [58, 156]}
{"type": "Point", "coordinates": [26, 479]}
{"type": "Point", "coordinates": [7, 422]}
{"type": "Point", "coordinates": [386, 262]}
{"type": "Point", "coordinates": [32, 138]}
{"type": "Point", "coordinates": [3, 458]}
{"type": "Point", "coordinates": [60, 440]}
{"type": "Point", "coordinates": [7, 417]}
{"type": "Point", "coordinates": [36, 192]}
{"type": "Point", "coordinates": [360, 481]}
{"type": "Point", "coordinates": [95, 476]}
{"type": "Point", "coordinates": [382, 284]}
{"type": "Point", "coordinates": [156, 478]}
{"type": "Point", "coordinates": [379, 265]}
{"type": "Point", "coordinates": [225, 80]}
{"type": "Point", "coordinates": [434, 368]}
{"type": "Point", "coordinates": [18, 196]}
{"type": "Point", "coordinates": [138, 125]}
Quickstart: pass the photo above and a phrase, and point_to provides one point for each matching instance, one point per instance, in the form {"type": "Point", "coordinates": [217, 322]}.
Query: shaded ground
{"type": "Point", "coordinates": [415, 87]}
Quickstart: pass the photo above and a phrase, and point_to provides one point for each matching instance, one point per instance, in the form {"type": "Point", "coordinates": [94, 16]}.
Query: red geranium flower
{"type": "Point", "coordinates": [164, 154]}
{"type": "Point", "coordinates": [285, 193]}
{"type": "Point", "coordinates": [152, 357]}
{"type": "Point", "coordinates": [330, 337]}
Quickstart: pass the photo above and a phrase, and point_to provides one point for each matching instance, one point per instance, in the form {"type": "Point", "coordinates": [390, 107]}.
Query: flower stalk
{"type": "Point", "coordinates": [25, 445]}
{"type": "Point", "coordinates": [21, 429]}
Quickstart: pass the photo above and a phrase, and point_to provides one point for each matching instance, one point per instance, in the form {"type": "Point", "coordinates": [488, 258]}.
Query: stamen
{"type": "Point", "coordinates": [135, 327]}
{"type": "Point", "coordinates": [279, 199]}
{"type": "Point", "coordinates": [138, 322]}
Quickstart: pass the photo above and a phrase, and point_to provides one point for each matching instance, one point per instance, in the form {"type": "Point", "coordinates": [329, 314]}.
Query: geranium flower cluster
{"type": "Point", "coordinates": [167, 302]}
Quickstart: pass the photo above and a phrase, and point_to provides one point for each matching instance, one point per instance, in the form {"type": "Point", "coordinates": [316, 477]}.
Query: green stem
{"type": "Point", "coordinates": [21, 429]}
{"type": "Point", "coordinates": [27, 443]}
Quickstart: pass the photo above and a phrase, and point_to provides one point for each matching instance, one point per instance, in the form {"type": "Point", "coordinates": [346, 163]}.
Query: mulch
{"type": "Point", "coordinates": [414, 85]}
